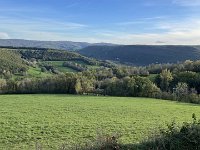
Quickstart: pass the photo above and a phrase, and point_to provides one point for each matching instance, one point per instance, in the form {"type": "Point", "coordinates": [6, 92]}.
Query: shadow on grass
{"type": "Point", "coordinates": [186, 137]}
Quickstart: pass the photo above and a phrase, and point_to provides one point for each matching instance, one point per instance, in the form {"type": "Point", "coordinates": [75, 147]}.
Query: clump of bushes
{"type": "Point", "coordinates": [186, 137]}
{"type": "Point", "coordinates": [102, 142]}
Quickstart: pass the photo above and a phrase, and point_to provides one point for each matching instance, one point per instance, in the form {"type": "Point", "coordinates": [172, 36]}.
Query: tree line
{"type": "Point", "coordinates": [180, 81]}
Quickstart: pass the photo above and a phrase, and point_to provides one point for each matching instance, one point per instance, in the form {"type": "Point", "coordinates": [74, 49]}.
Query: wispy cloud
{"type": "Point", "coordinates": [149, 30]}
{"type": "Point", "coordinates": [142, 20]}
{"type": "Point", "coordinates": [186, 31]}
{"type": "Point", "coordinates": [187, 2]}
{"type": "Point", "coordinates": [38, 24]}
{"type": "Point", "coordinates": [38, 28]}
{"type": "Point", "coordinates": [22, 10]}
{"type": "Point", "coordinates": [181, 38]}
{"type": "Point", "coordinates": [3, 35]}
{"type": "Point", "coordinates": [183, 25]}
{"type": "Point", "coordinates": [131, 22]}
{"type": "Point", "coordinates": [73, 5]}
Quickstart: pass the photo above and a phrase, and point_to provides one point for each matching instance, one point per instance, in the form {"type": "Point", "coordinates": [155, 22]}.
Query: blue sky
{"type": "Point", "coordinates": [113, 21]}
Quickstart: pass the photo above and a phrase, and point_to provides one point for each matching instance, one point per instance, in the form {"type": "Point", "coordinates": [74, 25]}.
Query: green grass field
{"type": "Point", "coordinates": [36, 72]}
{"type": "Point", "coordinates": [59, 66]}
{"type": "Point", "coordinates": [56, 119]}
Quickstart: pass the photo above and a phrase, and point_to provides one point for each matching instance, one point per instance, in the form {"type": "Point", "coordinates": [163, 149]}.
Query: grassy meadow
{"type": "Point", "coordinates": [59, 66]}
{"type": "Point", "coordinates": [52, 120]}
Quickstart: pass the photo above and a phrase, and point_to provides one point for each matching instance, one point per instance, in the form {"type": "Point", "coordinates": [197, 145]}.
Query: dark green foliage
{"type": "Point", "coordinates": [75, 66]}
{"type": "Point", "coordinates": [88, 61]}
{"type": "Point", "coordinates": [130, 86]}
{"type": "Point", "coordinates": [186, 137]}
{"type": "Point", "coordinates": [64, 45]}
{"type": "Point", "coordinates": [48, 67]}
{"type": "Point", "coordinates": [48, 55]}
{"type": "Point", "coordinates": [43, 69]}
{"type": "Point", "coordinates": [69, 83]}
{"type": "Point", "coordinates": [191, 78]}
{"type": "Point", "coordinates": [142, 54]}
{"type": "Point", "coordinates": [188, 65]}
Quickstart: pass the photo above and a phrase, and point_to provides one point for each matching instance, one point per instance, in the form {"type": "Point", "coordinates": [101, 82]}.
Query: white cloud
{"type": "Point", "coordinates": [142, 20]}
{"type": "Point", "coordinates": [179, 25]}
{"type": "Point", "coordinates": [190, 37]}
{"type": "Point", "coordinates": [3, 35]}
{"type": "Point", "coordinates": [162, 30]}
{"type": "Point", "coordinates": [182, 32]}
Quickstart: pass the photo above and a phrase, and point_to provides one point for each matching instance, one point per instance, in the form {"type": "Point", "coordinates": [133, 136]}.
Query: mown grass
{"type": "Point", "coordinates": [36, 72]}
{"type": "Point", "coordinates": [59, 65]}
{"type": "Point", "coordinates": [52, 120]}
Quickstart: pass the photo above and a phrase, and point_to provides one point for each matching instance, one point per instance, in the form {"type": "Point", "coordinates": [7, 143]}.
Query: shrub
{"type": "Point", "coordinates": [186, 137]}
{"type": "Point", "coordinates": [166, 96]}
{"type": "Point", "coordinates": [193, 98]}
{"type": "Point", "coordinates": [100, 143]}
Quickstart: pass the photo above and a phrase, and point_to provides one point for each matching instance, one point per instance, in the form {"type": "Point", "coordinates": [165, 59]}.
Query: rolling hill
{"type": "Point", "coordinates": [143, 54]}
{"type": "Point", "coordinates": [62, 45]}
{"type": "Point", "coordinates": [10, 60]}
{"type": "Point", "coordinates": [39, 62]}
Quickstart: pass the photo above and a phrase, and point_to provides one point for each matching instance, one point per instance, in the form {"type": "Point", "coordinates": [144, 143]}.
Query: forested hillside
{"type": "Point", "coordinates": [62, 45]}
{"type": "Point", "coordinates": [34, 70]}
{"type": "Point", "coordinates": [143, 55]}
{"type": "Point", "coordinates": [11, 61]}
{"type": "Point", "coordinates": [39, 62]}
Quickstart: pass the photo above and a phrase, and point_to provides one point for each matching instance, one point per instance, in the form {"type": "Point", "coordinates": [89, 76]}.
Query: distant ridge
{"type": "Point", "coordinates": [62, 45]}
{"type": "Point", "coordinates": [141, 55]}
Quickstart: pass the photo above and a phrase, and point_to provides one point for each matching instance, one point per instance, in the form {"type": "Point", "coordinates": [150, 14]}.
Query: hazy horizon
{"type": "Point", "coordinates": [154, 44]}
{"type": "Point", "coordinates": [128, 22]}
